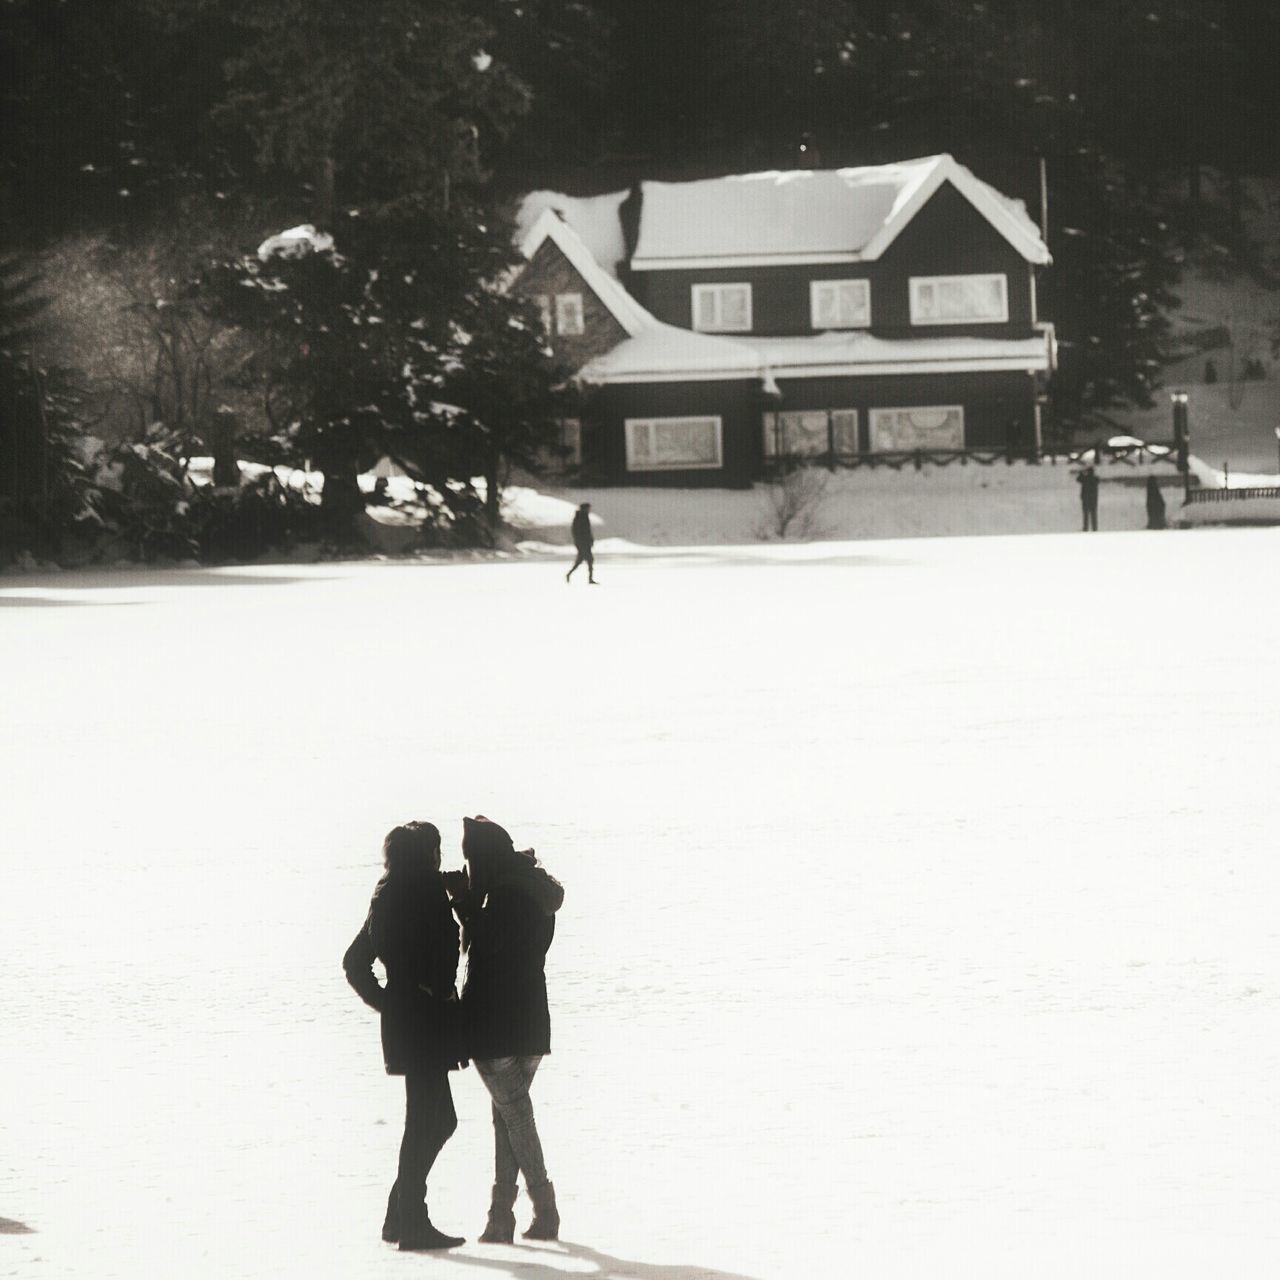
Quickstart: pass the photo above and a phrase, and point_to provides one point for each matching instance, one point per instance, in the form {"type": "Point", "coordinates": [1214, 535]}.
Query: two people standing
{"type": "Point", "coordinates": [506, 903]}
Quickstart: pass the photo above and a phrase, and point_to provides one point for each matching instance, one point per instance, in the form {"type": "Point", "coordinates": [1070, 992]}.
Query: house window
{"type": "Point", "coordinates": [722, 308]}
{"type": "Point", "coordinates": [543, 303]}
{"type": "Point", "coordinates": [569, 313]}
{"type": "Point", "coordinates": [674, 444]}
{"type": "Point", "coordinates": [840, 304]}
{"type": "Point", "coordinates": [959, 299]}
{"type": "Point", "coordinates": [810, 433]}
{"type": "Point", "coordinates": [934, 427]}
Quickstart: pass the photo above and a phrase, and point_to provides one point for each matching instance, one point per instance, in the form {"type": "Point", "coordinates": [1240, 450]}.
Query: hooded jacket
{"type": "Point", "coordinates": [504, 1001]}
{"type": "Point", "coordinates": [411, 929]}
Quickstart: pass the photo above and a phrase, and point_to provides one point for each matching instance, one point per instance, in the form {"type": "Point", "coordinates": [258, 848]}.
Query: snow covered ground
{"type": "Point", "coordinates": [921, 913]}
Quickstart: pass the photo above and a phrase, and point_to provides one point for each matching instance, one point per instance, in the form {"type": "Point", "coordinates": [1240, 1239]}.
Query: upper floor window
{"type": "Point", "coordinates": [569, 318]}
{"type": "Point", "coordinates": [543, 303]}
{"type": "Point", "coordinates": [722, 308]}
{"type": "Point", "coordinates": [959, 299]}
{"type": "Point", "coordinates": [840, 304]}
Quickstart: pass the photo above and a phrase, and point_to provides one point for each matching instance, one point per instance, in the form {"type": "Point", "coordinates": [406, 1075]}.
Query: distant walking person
{"type": "Point", "coordinates": [1155, 505]}
{"type": "Point", "coordinates": [411, 929]}
{"type": "Point", "coordinates": [507, 907]}
{"type": "Point", "coordinates": [1088, 482]}
{"type": "Point", "coordinates": [583, 540]}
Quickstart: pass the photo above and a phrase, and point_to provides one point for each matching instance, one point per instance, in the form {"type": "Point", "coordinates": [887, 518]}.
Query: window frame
{"type": "Point", "coordinates": [715, 290]}
{"type": "Point", "coordinates": [814, 288]}
{"type": "Point", "coordinates": [915, 283]}
{"type": "Point", "coordinates": [774, 421]}
{"type": "Point", "coordinates": [911, 408]}
{"type": "Point", "coordinates": [632, 425]}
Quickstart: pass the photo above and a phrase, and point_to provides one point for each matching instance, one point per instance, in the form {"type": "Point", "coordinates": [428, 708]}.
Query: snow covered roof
{"type": "Point", "coordinates": [595, 218]}
{"type": "Point", "coordinates": [665, 353]}
{"type": "Point", "coordinates": [810, 216]}
{"type": "Point", "coordinates": [669, 354]}
{"type": "Point", "coordinates": [625, 309]}
{"type": "Point", "coordinates": [832, 354]}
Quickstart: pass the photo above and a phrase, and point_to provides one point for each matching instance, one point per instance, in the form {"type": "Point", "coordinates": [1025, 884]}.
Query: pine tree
{"type": "Point", "coordinates": [43, 488]}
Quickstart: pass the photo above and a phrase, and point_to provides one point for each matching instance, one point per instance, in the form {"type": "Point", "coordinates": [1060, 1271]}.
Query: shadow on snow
{"type": "Point", "coordinates": [530, 1266]}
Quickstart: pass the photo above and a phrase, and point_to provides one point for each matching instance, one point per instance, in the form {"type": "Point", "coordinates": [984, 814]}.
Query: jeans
{"type": "Point", "coordinates": [515, 1135]}
{"type": "Point", "coordinates": [429, 1122]}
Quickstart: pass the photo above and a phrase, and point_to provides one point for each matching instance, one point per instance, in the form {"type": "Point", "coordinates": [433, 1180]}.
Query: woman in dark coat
{"type": "Point", "coordinates": [1155, 504]}
{"type": "Point", "coordinates": [411, 929]}
{"type": "Point", "coordinates": [508, 912]}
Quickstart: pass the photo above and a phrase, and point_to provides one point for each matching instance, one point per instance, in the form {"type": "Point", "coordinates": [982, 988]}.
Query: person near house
{"type": "Point", "coordinates": [507, 903]}
{"type": "Point", "coordinates": [1087, 479]}
{"type": "Point", "coordinates": [411, 930]}
{"type": "Point", "coordinates": [583, 541]}
{"type": "Point", "coordinates": [1155, 504]}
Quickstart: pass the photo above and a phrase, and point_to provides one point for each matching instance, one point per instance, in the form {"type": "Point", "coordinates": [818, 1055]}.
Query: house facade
{"type": "Point", "coordinates": [716, 326]}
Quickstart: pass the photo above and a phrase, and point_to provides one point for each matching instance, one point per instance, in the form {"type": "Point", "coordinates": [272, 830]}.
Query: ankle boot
{"type": "Point", "coordinates": [501, 1227]}
{"type": "Point", "coordinates": [418, 1232]}
{"type": "Point", "coordinates": [391, 1223]}
{"type": "Point", "coordinates": [546, 1217]}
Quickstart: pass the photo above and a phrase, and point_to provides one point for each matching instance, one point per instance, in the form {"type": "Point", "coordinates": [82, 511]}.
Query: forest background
{"type": "Point", "coordinates": [150, 147]}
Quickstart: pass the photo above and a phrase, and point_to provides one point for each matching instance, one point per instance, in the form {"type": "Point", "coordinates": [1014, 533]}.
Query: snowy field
{"type": "Point", "coordinates": [921, 918]}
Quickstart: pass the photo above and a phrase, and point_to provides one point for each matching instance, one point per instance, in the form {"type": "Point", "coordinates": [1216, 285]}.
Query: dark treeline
{"type": "Point", "coordinates": [151, 144]}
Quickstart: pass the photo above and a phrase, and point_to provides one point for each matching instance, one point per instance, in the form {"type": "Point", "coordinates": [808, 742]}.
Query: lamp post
{"type": "Point", "coordinates": [1182, 437]}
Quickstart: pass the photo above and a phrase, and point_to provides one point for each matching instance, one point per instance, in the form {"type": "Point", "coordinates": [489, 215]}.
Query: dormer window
{"type": "Point", "coordinates": [569, 319]}
{"type": "Point", "coordinates": [959, 299]}
{"type": "Point", "coordinates": [722, 308]}
{"type": "Point", "coordinates": [840, 304]}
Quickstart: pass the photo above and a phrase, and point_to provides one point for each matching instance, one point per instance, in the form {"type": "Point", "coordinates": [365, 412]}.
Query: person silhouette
{"type": "Point", "coordinates": [1088, 482]}
{"type": "Point", "coordinates": [411, 929]}
{"type": "Point", "coordinates": [507, 904]}
{"type": "Point", "coordinates": [583, 541]}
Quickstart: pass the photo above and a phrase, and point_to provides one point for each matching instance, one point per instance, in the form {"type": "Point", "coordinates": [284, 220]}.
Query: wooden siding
{"type": "Point", "coordinates": [993, 402]}
{"type": "Point", "coordinates": [550, 272]}
{"type": "Point", "coordinates": [737, 404]}
{"type": "Point", "coordinates": [999, 410]}
{"type": "Point", "coordinates": [947, 237]}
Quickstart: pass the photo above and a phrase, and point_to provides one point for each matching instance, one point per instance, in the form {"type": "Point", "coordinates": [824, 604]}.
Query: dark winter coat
{"type": "Point", "coordinates": [411, 929]}
{"type": "Point", "coordinates": [1155, 504]}
{"type": "Point", "coordinates": [581, 529]}
{"type": "Point", "coordinates": [1088, 482]}
{"type": "Point", "coordinates": [504, 1001]}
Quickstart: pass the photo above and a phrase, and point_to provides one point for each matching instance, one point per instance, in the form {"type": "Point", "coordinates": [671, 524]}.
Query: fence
{"type": "Point", "coordinates": [1140, 453]}
{"type": "Point", "coordinates": [1233, 495]}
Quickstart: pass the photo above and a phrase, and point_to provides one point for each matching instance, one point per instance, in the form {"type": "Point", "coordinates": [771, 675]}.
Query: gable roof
{"type": "Point", "coordinates": [620, 304]}
{"type": "Point", "coordinates": [810, 216]}
{"type": "Point", "coordinates": [596, 219]}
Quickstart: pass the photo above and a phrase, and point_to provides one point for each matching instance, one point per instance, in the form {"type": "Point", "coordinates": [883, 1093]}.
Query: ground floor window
{"type": "Point", "coordinates": [931, 427]}
{"type": "Point", "coordinates": [674, 444]}
{"type": "Point", "coordinates": [809, 433]}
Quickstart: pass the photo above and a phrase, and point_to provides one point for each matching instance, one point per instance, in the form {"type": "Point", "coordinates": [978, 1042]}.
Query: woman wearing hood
{"type": "Point", "coordinates": [508, 911]}
{"type": "Point", "coordinates": [411, 929]}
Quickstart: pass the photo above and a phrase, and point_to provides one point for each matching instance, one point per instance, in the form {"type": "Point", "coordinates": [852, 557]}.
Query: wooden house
{"type": "Point", "coordinates": [716, 325]}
